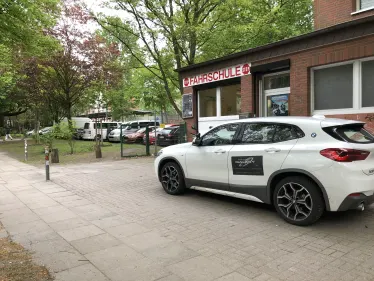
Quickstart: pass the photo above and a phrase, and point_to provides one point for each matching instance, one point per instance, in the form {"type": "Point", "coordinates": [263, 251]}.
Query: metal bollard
{"type": "Point", "coordinates": [25, 150]}
{"type": "Point", "coordinates": [46, 151]}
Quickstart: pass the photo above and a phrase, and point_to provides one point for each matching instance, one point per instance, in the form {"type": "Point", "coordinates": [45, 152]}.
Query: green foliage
{"type": "Point", "coordinates": [23, 22]}
{"type": "Point", "coordinates": [177, 33]}
{"type": "Point", "coordinates": [64, 131]}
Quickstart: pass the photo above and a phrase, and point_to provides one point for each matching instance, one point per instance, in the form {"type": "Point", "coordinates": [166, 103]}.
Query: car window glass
{"type": "Point", "coordinates": [355, 133]}
{"type": "Point", "coordinates": [134, 125]}
{"type": "Point", "coordinates": [86, 125]}
{"type": "Point", "coordinates": [221, 135]}
{"type": "Point", "coordinates": [286, 133]}
{"type": "Point", "coordinates": [258, 133]}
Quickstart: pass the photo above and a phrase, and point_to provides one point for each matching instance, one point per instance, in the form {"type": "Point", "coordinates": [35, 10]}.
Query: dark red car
{"type": "Point", "coordinates": [137, 137]}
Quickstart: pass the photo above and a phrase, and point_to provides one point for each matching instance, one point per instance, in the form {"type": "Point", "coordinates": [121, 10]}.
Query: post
{"type": "Point", "coordinates": [121, 139]}
{"type": "Point", "coordinates": [25, 150]}
{"type": "Point", "coordinates": [101, 132]}
{"type": "Point", "coordinates": [46, 151]}
{"type": "Point", "coordinates": [155, 136]}
{"type": "Point", "coordinates": [147, 140]}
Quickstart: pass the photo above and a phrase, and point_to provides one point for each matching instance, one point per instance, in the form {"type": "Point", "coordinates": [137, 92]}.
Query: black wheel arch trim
{"type": "Point", "coordinates": [163, 160]}
{"type": "Point", "coordinates": [300, 171]}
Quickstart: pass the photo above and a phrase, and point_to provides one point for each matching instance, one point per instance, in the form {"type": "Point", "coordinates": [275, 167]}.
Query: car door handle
{"type": "Point", "coordinates": [272, 150]}
{"type": "Point", "coordinates": [220, 151]}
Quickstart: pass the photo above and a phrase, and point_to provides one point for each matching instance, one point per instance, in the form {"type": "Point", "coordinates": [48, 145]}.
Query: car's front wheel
{"type": "Point", "coordinates": [172, 179]}
{"type": "Point", "coordinates": [298, 200]}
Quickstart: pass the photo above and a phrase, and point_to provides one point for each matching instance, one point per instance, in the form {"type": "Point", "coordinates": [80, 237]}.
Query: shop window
{"type": "Point", "coordinates": [366, 4]}
{"type": "Point", "coordinates": [367, 84]}
{"type": "Point", "coordinates": [230, 100]}
{"type": "Point", "coordinates": [333, 87]}
{"type": "Point", "coordinates": [344, 89]}
{"type": "Point", "coordinates": [208, 103]}
{"type": "Point", "coordinates": [277, 81]}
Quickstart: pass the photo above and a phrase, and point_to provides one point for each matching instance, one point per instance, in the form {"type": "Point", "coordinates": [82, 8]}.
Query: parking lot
{"type": "Point", "coordinates": [113, 221]}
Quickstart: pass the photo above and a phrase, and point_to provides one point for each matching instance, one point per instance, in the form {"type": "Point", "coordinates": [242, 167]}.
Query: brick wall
{"type": "Point", "coordinates": [246, 91]}
{"type": "Point", "coordinates": [332, 12]}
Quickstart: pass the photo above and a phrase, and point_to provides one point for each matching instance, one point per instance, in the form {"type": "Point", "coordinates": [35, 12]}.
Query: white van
{"type": "Point", "coordinates": [90, 133]}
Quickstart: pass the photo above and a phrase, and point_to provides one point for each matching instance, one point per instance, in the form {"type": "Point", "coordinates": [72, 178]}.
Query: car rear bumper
{"type": "Point", "coordinates": [353, 202]}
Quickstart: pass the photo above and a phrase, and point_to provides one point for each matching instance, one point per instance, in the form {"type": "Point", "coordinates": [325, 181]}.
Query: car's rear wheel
{"type": "Point", "coordinates": [298, 200]}
{"type": "Point", "coordinates": [172, 179]}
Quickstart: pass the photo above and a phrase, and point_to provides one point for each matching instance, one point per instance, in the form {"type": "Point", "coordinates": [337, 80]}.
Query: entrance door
{"type": "Point", "coordinates": [275, 94]}
{"type": "Point", "coordinates": [207, 164]}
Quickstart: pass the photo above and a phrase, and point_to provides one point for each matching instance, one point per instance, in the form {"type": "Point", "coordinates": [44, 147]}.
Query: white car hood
{"type": "Point", "coordinates": [177, 148]}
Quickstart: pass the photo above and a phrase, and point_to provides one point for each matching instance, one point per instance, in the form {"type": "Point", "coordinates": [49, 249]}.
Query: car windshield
{"type": "Point", "coordinates": [355, 133]}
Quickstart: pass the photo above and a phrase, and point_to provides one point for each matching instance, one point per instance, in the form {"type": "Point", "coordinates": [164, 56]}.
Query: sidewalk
{"type": "Point", "coordinates": [73, 237]}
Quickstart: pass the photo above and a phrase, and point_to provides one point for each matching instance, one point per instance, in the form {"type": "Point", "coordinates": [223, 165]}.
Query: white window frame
{"type": "Point", "coordinates": [359, 10]}
{"type": "Point", "coordinates": [218, 109]}
{"type": "Point", "coordinates": [357, 90]}
{"type": "Point", "coordinates": [273, 92]}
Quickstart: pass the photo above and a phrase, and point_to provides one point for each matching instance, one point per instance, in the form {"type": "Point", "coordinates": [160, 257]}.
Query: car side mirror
{"type": "Point", "coordinates": [197, 140]}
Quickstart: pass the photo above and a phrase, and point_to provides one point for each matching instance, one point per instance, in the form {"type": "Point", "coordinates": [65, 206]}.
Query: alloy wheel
{"type": "Point", "coordinates": [294, 201]}
{"type": "Point", "coordinates": [170, 178]}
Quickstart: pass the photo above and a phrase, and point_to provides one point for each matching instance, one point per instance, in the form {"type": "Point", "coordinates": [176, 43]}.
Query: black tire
{"type": "Point", "coordinates": [306, 205]}
{"type": "Point", "coordinates": [172, 179]}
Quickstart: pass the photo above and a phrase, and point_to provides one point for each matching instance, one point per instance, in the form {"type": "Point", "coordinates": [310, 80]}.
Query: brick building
{"type": "Point", "coordinates": [329, 71]}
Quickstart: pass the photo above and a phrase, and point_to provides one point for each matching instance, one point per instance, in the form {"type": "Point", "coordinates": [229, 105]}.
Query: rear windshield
{"type": "Point", "coordinates": [351, 133]}
{"type": "Point", "coordinates": [86, 125]}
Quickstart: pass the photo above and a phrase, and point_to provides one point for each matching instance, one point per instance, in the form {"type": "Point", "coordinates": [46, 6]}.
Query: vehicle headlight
{"type": "Point", "coordinates": [159, 153]}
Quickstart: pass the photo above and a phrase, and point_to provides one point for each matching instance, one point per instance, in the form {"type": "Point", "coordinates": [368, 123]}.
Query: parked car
{"type": "Point", "coordinates": [168, 136]}
{"type": "Point", "coordinates": [301, 165]}
{"type": "Point", "coordinates": [151, 136]}
{"type": "Point", "coordinates": [30, 133]}
{"type": "Point", "coordinates": [45, 130]}
{"type": "Point", "coordinates": [78, 134]}
{"type": "Point", "coordinates": [129, 128]}
{"type": "Point", "coordinates": [90, 132]}
{"type": "Point", "coordinates": [137, 137]}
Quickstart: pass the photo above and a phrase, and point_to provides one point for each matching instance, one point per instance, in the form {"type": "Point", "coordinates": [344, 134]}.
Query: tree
{"type": "Point", "coordinates": [23, 22]}
{"type": "Point", "coordinates": [177, 33]}
{"type": "Point", "coordinates": [80, 69]}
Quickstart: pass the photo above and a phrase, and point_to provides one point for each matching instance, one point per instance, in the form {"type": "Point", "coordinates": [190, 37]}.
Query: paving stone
{"type": "Point", "coordinates": [199, 268]}
{"type": "Point", "coordinates": [233, 277]}
{"type": "Point", "coordinates": [86, 272]}
{"type": "Point", "coordinates": [144, 241]}
{"type": "Point", "coordinates": [95, 243]}
{"type": "Point", "coordinates": [58, 216]}
{"type": "Point", "coordinates": [111, 221]}
{"type": "Point", "coordinates": [80, 232]}
{"type": "Point", "coordinates": [68, 224]}
{"type": "Point", "coordinates": [126, 230]}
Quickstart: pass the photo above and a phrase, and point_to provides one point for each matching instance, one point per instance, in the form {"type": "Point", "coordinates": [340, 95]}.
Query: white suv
{"type": "Point", "coordinates": [301, 165]}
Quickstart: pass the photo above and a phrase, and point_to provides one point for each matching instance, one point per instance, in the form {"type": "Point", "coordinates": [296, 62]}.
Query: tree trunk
{"type": "Point", "coordinates": [1, 121]}
{"type": "Point", "coordinates": [55, 158]}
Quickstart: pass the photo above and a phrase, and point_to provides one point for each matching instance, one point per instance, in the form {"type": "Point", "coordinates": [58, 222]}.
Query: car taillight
{"type": "Point", "coordinates": [344, 154]}
{"type": "Point", "coordinates": [89, 132]}
{"type": "Point", "coordinates": [170, 135]}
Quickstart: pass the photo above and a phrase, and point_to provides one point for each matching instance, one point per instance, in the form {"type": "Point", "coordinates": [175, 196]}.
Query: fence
{"type": "Point", "coordinates": [148, 142]}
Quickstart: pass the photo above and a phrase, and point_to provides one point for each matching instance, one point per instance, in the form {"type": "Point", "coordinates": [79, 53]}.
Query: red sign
{"type": "Point", "coordinates": [213, 76]}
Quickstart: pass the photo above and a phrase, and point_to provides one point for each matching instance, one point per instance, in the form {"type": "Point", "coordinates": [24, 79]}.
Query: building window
{"type": "Point", "coordinates": [367, 84]}
{"type": "Point", "coordinates": [221, 101]}
{"type": "Point", "coordinates": [208, 103]}
{"type": "Point", "coordinates": [343, 88]}
{"type": "Point", "coordinates": [277, 81]}
{"type": "Point", "coordinates": [333, 87]}
{"type": "Point", "coordinates": [230, 100]}
{"type": "Point", "coordinates": [365, 4]}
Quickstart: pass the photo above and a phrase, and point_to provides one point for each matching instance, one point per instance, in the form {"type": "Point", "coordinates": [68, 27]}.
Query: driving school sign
{"type": "Point", "coordinates": [218, 75]}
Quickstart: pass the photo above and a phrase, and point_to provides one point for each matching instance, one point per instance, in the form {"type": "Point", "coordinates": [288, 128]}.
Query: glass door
{"type": "Point", "coordinates": [275, 94]}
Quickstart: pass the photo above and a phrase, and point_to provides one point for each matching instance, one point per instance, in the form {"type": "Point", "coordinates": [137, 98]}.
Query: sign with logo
{"type": "Point", "coordinates": [247, 165]}
{"type": "Point", "coordinates": [218, 75]}
{"type": "Point", "coordinates": [162, 126]}
{"type": "Point", "coordinates": [187, 106]}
